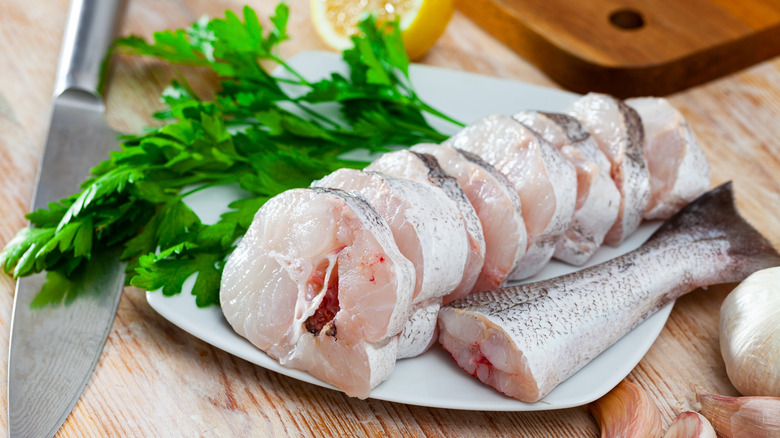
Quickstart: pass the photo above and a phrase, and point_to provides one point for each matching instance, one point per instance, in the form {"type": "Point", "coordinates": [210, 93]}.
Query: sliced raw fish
{"type": "Point", "coordinates": [598, 199]}
{"type": "Point", "coordinates": [318, 283]}
{"type": "Point", "coordinates": [429, 231]}
{"type": "Point", "coordinates": [618, 130]}
{"type": "Point", "coordinates": [425, 168]}
{"type": "Point", "coordinates": [498, 207]}
{"type": "Point", "coordinates": [679, 171]}
{"type": "Point", "coordinates": [426, 225]}
{"type": "Point", "coordinates": [545, 181]}
{"type": "Point", "coordinates": [525, 340]}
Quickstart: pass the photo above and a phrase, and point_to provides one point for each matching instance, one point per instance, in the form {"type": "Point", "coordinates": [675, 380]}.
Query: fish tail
{"type": "Point", "coordinates": [714, 215]}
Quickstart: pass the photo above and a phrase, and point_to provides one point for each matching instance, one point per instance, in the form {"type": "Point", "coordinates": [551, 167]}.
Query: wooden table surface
{"type": "Point", "coordinates": [155, 380]}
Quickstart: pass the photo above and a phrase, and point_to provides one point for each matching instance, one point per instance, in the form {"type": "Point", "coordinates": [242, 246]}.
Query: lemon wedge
{"type": "Point", "coordinates": [421, 21]}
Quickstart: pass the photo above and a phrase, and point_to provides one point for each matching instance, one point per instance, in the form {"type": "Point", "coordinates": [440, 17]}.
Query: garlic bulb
{"type": "Point", "coordinates": [750, 334]}
{"type": "Point", "coordinates": [626, 411]}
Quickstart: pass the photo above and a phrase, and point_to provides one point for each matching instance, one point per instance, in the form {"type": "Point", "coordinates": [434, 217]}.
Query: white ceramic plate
{"type": "Point", "coordinates": [433, 379]}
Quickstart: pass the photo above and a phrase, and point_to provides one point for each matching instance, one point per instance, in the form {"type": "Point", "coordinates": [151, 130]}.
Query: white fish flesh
{"type": "Point", "coordinates": [499, 210]}
{"type": "Point", "coordinates": [618, 130]}
{"type": "Point", "coordinates": [598, 199]}
{"type": "Point", "coordinates": [679, 171]}
{"type": "Point", "coordinates": [425, 223]}
{"type": "Point", "coordinates": [545, 181]}
{"type": "Point", "coordinates": [428, 230]}
{"type": "Point", "coordinates": [318, 283]}
{"type": "Point", "coordinates": [425, 168]}
{"type": "Point", "coordinates": [525, 340]}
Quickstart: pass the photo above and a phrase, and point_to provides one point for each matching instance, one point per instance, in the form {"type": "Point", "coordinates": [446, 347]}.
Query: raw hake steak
{"type": "Point", "coordinates": [618, 130]}
{"type": "Point", "coordinates": [679, 171]}
{"type": "Point", "coordinates": [498, 208]}
{"type": "Point", "coordinates": [545, 181]}
{"type": "Point", "coordinates": [425, 168]}
{"type": "Point", "coordinates": [598, 199]}
{"type": "Point", "coordinates": [425, 223]}
{"type": "Point", "coordinates": [428, 230]}
{"type": "Point", "coordinates": [318, 283]}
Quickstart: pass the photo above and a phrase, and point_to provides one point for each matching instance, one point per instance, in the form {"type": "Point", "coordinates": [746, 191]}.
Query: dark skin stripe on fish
{"type": "Point", "coordinates": [636, 133]}
{"type": "Point", "coordinates": [571, 126]}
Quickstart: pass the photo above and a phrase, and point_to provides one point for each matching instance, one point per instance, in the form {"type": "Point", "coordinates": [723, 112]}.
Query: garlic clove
{"type": "Point", "coordinates": [742, 417]}
{"type": "Point", "coordinates": [750, 334]}
{"type": "Point", "coordinates": [626, 411]}
{"type": "Point", "coordinates": [690, 425]}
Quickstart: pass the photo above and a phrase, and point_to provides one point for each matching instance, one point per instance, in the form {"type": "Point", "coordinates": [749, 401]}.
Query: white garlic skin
{"type": "Point", "coordinates": [750, 334]}
{"type": "Point", "coordinates": [690, 425]}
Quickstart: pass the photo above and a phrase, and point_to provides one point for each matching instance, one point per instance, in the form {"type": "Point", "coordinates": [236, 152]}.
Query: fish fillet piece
{"type": "Point", "coordinates": [545, 181]}
{"type": "Point", "coordinates": [425, 168]}
{"type": "Point", "coordinates": [525, 340]}
{"type": "Point", "coordinates": [598, 199]}
{"type": "Point", "coordinates": [618, 130]}
{"type": "Point", "coordinates": [498, 208]}
{"type": "Point", "coordinates": [679, 171]}
{"type": "Point", "coordinates": [425, 223]}
{"type": "Point", "coordinates": [428, 229]}
{"type": "Point", "coordinates": [318, 283]}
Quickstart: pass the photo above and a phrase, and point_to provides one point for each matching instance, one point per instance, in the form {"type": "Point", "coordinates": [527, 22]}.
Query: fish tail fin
{"type": "Point", "coordinates": [714, 215]}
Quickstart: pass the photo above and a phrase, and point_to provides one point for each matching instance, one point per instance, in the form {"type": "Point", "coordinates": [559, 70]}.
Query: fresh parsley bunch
{"type": "Point", "coordinates": [263, 133]}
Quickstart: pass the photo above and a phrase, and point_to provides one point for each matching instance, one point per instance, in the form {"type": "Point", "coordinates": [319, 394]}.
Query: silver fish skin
{"type": "Point", "coordinates": [425, 168]}
{"type": "Point", "coordinates": [598, 198]}
{"type": "Point", "coordinates": [525, 340]}
{"type": "Point", "coordinates": [679, 171]}
{"type": "Point", "coordinates": [618, 130]}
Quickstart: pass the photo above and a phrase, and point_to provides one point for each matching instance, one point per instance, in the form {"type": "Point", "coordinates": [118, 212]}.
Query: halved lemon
{"type": "Point", "coordinates": [422, 21]}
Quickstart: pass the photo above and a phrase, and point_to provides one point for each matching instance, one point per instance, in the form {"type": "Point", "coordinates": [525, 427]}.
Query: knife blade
{"type": "Point", "coordinates": [53, 349]}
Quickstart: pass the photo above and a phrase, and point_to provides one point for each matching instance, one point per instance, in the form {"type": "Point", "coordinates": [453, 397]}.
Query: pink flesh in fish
{"type": "Point", "coordinates": [545, 181]}
{"type": "Point", "coordinates": [318, 283]}
{"type": "Point", "coordinates": [679, 171]}
{"type": "Point", "coordinates": [498, 207]}
{"type": "Point", "coordinates": [618, 130]}
{"type": "Point", "coordinates": [598, 199]}
{"type": "Point", "coordinates": [525, 340]}
{"type": "Point", "coordinates": [425, 168]}
{"type": "Point", "coordinates": [418, 215]}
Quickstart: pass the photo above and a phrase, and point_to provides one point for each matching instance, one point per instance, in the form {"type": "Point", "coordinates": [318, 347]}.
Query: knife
{"type": "Point", "coordinates": [54, 348]}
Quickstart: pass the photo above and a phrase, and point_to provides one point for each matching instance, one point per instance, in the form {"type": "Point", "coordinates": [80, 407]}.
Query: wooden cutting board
{"type": "Point", "coordinates": [633, 47]}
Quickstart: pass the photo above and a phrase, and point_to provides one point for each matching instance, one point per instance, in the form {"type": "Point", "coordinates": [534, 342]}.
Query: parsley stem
{"type": "Point", "coordinates": [433, 111]}
{"type": "Point", "coordinates": [291, 70]}
{"type": "Point", "coordinates": [316, 115]}
{"type": "Point", "coordinates": [288, 80]}
{"type": "Point", "coordinates": [426, 133]}
{"type": "Point", "coordinates": [210, 180]}
{"type": "Point", "coordinates": [298, 102]}
{"type": "Point", "coordinates": [404, 83]}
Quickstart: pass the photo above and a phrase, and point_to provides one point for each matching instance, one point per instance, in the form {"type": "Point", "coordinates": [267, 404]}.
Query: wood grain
{"type": "Point", "coordinates": [658, 47]}
{"type": "Point", "coordinates": [155, 380]}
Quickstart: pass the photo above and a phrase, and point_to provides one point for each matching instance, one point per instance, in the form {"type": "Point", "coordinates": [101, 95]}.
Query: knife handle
{"type": "Point", "coordinates": [89, 33]}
